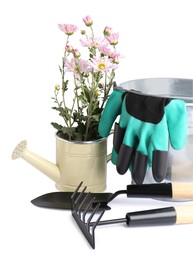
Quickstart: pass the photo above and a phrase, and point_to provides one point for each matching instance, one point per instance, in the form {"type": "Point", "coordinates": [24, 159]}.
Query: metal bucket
{"type": "Point", "coordinates": [81, 161]}
{"type": "Point", "coordinates": [180, 162]}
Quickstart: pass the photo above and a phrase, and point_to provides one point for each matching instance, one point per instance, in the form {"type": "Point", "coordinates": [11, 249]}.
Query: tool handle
{"type": "Point", "coordinates": [182, 190]}
{"type": "Point", "coordinates": [175, 190]}
{"type": "Point", "coordinates": [161, 216]}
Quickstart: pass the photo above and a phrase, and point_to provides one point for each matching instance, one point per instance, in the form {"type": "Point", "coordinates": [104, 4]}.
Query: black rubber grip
{"type": "Point", "coordinates": [118, 136]}
{"type": "Point", "coordinates": [158, 190]}
{"type": "Point", "coordinates": [124, 158]}
{"type": "Point", "coordinates": [162, 216]}
{"type": "Point", "coordinates": [159, 165]}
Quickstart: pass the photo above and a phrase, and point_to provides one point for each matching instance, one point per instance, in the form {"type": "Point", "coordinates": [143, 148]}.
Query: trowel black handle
{"type": "Point", "coordinates": [175, 190]}
{"type": "Point", "coordinates": [161, 216]}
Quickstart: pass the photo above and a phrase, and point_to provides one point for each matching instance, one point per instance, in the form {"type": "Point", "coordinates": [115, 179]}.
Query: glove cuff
{"type": "Point", "coordinates": [146, 108]}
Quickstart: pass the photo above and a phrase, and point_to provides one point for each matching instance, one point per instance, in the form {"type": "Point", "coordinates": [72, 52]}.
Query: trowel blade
{"type": "Point", "coordinates": [62, 200]}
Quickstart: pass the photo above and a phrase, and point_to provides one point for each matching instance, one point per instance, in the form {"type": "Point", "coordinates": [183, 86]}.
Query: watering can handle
{"type": "Point", "coordinates": [110, 155]}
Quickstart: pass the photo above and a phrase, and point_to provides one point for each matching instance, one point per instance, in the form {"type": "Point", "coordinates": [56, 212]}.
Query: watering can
{"type": "Point", "coordinates": [75, 161]}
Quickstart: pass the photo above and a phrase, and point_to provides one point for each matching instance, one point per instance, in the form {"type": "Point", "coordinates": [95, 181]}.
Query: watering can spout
{"type": "Point", "coordinates": [49, 169]}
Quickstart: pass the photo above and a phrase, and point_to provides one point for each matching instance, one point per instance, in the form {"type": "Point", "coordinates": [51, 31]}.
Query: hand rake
{"type": "Point", "coordinates": [160, 216]}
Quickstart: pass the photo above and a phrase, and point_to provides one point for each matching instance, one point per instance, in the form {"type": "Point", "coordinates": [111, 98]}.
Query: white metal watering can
{"type": "Point", "coordinates": [75, 162]}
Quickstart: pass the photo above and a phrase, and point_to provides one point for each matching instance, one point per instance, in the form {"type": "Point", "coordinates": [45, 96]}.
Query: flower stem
{"type": "Point", "coordinates": [91, 105]}
{"type": "Point", "coordinates": [64, 87]}
{"type": "Point", "coordinates": [107, 88]}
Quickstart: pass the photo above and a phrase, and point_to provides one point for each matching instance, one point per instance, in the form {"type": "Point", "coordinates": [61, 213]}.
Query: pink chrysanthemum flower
{"type": "Point", "coordinates": [77, 66]}
{"type": "Point", "coordinates": [88, 20]}
{"type": "Point", "coordinates": [94, 42]}
{"type": "Point", "coordinates": [84, 66]}
{"type": "Point", "coordinates": [68, 29]}
{"type": "Point", "coordinates": [114, 55]}
{"type": "Point", "coordinates": [103, 64]}
{"type": "Point", "coordinates": [113, 38]}
{"type": "Point", "coordinates": [106, 51]}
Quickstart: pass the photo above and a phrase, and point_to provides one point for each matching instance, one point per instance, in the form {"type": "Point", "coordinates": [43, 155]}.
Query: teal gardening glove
{"type": "Point", "coordinates": [147, 125]}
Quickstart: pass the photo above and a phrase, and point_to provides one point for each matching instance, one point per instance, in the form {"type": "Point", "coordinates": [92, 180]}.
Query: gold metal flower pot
{"type": "Point", "coordinates": [75, 162]}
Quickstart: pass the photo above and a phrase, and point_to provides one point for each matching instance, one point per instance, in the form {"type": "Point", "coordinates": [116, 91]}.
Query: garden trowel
{"type": "Point", "coordinates": [169, 191]}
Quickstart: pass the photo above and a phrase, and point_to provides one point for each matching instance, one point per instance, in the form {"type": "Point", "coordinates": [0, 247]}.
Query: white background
{"type": "Point", "coordinates": [156, 41]}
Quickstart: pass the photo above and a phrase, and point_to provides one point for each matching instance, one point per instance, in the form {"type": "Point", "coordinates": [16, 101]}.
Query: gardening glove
{"type": "Point", "coordinates": [147, 126]}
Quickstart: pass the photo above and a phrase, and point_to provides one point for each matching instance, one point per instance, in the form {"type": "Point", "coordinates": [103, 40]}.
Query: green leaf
{"type": "Point", "coordinates": [95, 117]}
{"type": "Point", "coordinates": [57, 126]}
{"type": "Point", "coordinates": [87, 93]}
{"type": "Point", "coordinates": [82, 99]}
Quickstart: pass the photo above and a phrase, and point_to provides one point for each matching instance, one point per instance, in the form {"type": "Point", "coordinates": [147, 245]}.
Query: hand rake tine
{"type": "Point", "coordinates": [82, 203]}
{"type": "Point", "coordinates": [76, 191]}
{"type": "Point", "coordinates": [91, 215]}
{"type": "Point", "coordinates": [79, 214]}
{"type": "Point", "coordinates": [94, 224]}
{"type": "Point", "coordinates": [82, 223]}
{"type": "Point", "coordinates": [90, 226]}
{"type": "Point", "coordinates": [87, 208]}
{"type": "Point", "coordinates": [78, 199]}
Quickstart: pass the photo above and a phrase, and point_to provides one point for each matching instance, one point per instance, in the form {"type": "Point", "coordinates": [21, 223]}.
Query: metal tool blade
{"type": "Point", "coordinates": [62, 200]}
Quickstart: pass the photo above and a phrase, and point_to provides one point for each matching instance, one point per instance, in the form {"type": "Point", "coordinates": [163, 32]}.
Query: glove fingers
{"type": "Point", "coordinates": [118, 136]}
{"type": "Point", "coordinates": [159, 165]}
{"type": "Point", "coordinates": [124, 158]}
{"type": "Point", "coordinates": [176, 114]}
{"type": "Point", "coordinates": [139, 167]}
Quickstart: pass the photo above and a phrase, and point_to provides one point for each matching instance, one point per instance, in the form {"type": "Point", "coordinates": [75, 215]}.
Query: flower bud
{"type": "Point", "coordinates": [88, 20]}
{"type": "Point", "coordinates": [83, 32]}
{"type": "Point", "coordinates": [69, 48]}
{"type": "Point", "coordinates": [76, 53]}
{"type": "Point", "coordinates": [57, 87]}
{"type": "Point", "coordinates": [107, 31]}
{"type": "Point", "coordinates": [101, 85]}
{"type": "Point", "coordinates": [98, 92]}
